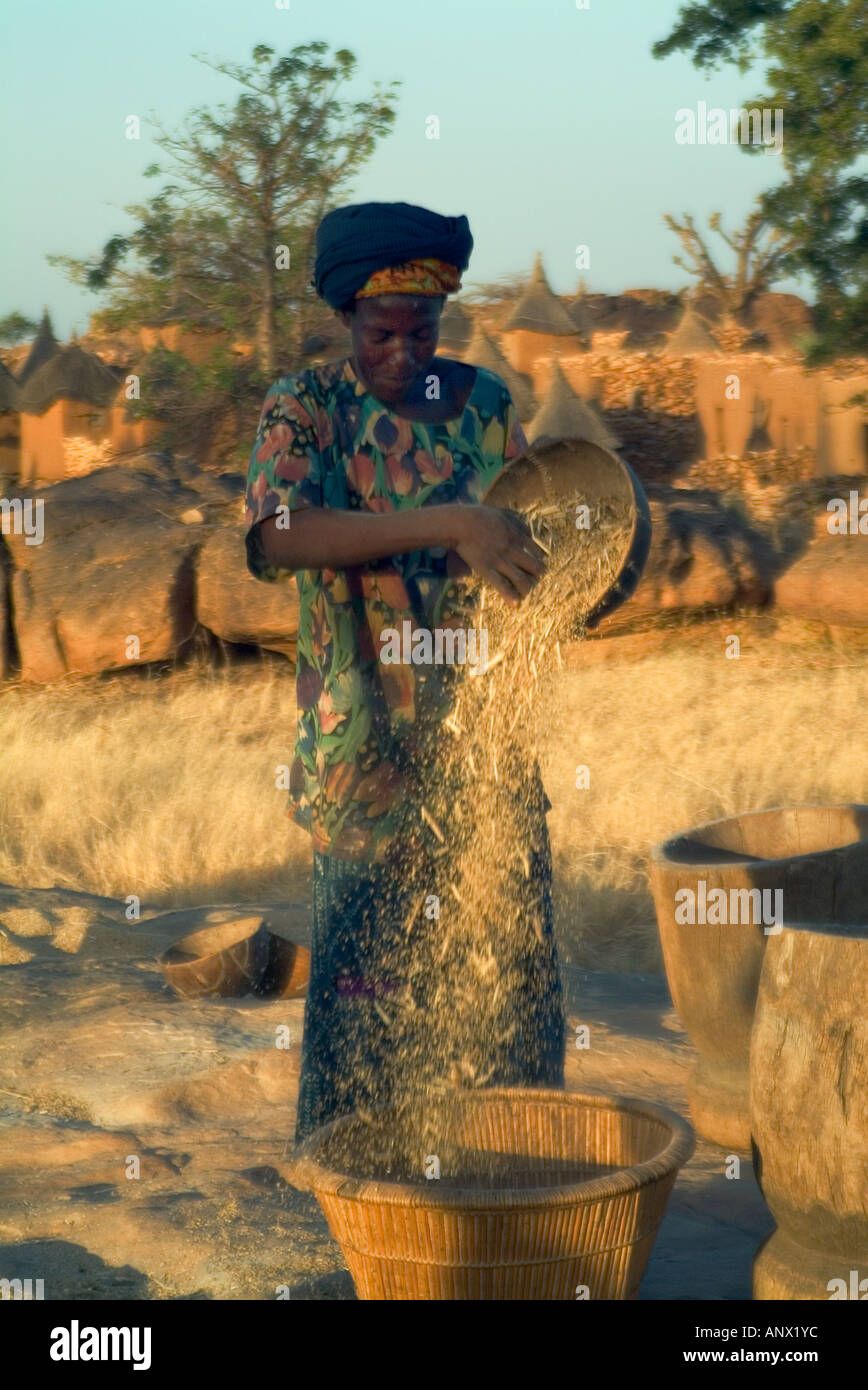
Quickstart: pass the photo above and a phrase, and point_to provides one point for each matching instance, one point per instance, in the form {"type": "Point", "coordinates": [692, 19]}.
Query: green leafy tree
{"type": "Point", "coordinates": [229, 244]}
{"type": "Point", "coordinates": [816, 56]}
{"type": "Point", "coordinates": [15, 327]}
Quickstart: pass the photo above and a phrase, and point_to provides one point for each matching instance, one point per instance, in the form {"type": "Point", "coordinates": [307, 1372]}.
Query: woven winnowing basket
{"type": "Point", "coordinates": [409, 1241]}
{"type": "Point", "coordinates": [552, 472]}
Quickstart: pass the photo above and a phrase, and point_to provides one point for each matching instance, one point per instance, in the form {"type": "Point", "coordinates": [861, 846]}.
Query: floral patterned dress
{"type": "Point", "coordinates": [325, 441]}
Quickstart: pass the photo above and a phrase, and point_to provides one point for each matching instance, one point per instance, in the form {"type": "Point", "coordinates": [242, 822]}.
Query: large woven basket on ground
{"type": "Point", "coordinates": [553, 472]}
{"type": "Point", "coordinates": [588, 1180]}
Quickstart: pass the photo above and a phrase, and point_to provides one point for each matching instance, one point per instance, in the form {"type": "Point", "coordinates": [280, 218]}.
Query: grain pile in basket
{"type": "Point", "coordinates": [467, 949]}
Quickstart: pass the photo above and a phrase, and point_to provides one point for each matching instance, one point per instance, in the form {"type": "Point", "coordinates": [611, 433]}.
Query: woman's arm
{"type": "Point", "coordinates": [495, 543]}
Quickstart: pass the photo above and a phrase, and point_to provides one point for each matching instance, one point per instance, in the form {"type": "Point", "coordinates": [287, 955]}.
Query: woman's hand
{"type": "Point", "coordinates": [498, 546]}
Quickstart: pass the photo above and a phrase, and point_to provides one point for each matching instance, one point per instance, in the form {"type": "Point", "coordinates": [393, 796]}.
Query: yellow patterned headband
{"type": "Point", "coordinates": [425, 276]}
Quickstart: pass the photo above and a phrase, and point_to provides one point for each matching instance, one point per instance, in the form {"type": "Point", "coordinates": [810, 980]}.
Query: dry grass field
{"type": "Point", "coordinates": [166, 787]}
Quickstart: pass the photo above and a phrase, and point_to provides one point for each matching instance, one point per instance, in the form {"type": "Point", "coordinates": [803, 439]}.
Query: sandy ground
{"type": "Point", "coordinates": [105, 1074]}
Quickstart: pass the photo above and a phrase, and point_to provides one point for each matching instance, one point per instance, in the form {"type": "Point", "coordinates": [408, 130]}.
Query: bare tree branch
{"type": "Point", "coordinates": [759, 251]}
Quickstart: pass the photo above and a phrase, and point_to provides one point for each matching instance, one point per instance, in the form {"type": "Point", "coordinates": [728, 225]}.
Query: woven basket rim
{"type": "Point", "coordinates": [535, 454]}
{"type": "Point", "coordinates": [660, 853]}
{"type": "Point", "coordinates": [636, 548]}
{"type": "Point", "coordinates": [305, 1170]}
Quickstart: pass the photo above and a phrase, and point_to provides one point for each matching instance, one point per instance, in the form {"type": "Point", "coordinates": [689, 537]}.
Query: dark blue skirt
{"type": "Point", "coordinates": [358, 921]}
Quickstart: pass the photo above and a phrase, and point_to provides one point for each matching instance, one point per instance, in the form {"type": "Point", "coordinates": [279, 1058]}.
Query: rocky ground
{"type": "Point", "coordinates": [104, 1073]}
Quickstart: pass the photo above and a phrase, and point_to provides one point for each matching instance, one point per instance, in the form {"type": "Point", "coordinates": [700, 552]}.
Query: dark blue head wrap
{"type": "Point", "coordinates": [353, 242]}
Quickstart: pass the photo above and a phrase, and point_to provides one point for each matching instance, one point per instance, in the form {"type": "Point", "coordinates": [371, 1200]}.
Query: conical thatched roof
{"type": "Point", "coordinates": [44, 346]}
{"type": "Point", "coordinates": [73, 375]}
{"type": "Point", "coordinates": [482, 351]}
{"type": "Point", "coordinates": [580, 316]}
{"type": "Point", "coordinates": [456, 326]}
{"type": "Point", "coordinates": [691, 338]}
{"type": "Point", "coordinates": [539, 310]}
{"type": "Point", "coordinates": [564, 415]}
{"type": "Point", "coordinates": [8, 389]}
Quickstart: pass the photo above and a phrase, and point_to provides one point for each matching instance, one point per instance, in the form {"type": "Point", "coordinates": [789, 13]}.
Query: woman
{"type": "Point", "coordinates": [380, 460]}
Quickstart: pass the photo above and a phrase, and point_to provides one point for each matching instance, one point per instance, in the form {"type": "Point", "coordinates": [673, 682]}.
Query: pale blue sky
{"type": "Point", "coordinates": [557, 126]}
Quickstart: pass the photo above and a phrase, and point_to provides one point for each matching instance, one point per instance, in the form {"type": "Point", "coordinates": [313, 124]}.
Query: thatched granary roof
{"type": "Point", "coordinates": [539, 310]}
{"type": "Point", "coordinates": [73, 375]}
{"type": "Point", "coordinates": [580, 316]}
{"type": "Point", "coordinates": [456, 326]}
{"type": "Point", "coordinates": [8, 389]}
{"type": "Point", "coordinates": [44, 346]}
{"type": "Point", "coordinates": [482, 351]}
{"type": "Point", "coordinates": [564, 415]}
{"type": "Point", "coordinates": [691, 338]}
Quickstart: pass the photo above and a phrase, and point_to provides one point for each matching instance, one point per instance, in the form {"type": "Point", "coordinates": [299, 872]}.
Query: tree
{"type": "Point", "coordinates": [721, 30]}
{"type": "Point", "coordinates": [503, 291]}
{"type": "Point", "coordinates": [15, 327]}
{"type": "Point", "coordinates": [760, 250]}
{"type": "Point", "coordinates": [817, 74]}
{"type": "Point", "coordinates": [231, 244]}
{"type": "Point", "coordinates": [489, 300]}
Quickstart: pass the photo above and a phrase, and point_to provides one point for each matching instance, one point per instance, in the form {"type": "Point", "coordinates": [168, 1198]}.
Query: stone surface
{"type": "Point", "coordinates": [162, 559]}
{"type": "Point", "coordinates": [130, 603]}
{"type": "Point", "coordinates": [130, 536]}
{"type": "Point", "coordinates": [103, 1072]}
{"type": "Point", "coordinates": [236, 606]}
{"type": "Point", "coordinates": [829, 582]}
{"type": "Point", "coordinates": [114, 563]}
{"type": "Point", "coordinates": [701, 558]}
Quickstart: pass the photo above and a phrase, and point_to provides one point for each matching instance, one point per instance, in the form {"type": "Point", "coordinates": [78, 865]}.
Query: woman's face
{"type": "Point", "coordinates": [394, 340]}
